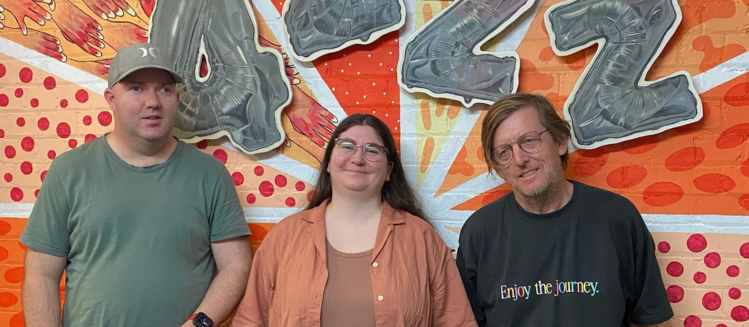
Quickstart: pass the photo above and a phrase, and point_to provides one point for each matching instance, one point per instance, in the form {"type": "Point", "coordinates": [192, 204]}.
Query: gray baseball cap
{"type": "Point", "coordinates": [136, 57]}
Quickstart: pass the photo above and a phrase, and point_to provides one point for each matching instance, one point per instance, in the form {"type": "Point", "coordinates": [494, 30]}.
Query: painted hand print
{"type": "Point", "coordinates": [318, 27]}
{"type": "Point", "coordinates": [246, 87]}
{"type": "Point", "coordinates": [612, 102]}
{"type": "Point", "coordinates": [443, 58]}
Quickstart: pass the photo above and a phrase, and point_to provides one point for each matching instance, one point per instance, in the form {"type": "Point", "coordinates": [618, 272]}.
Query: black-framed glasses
{"type": "Point", "coordinates": [372, 152]}
{"type": "Point", "coordinates": [529, 142]}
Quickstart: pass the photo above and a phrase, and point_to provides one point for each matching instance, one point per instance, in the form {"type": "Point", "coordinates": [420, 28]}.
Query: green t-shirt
{"type": "Point", "coordinates": [137, 239]}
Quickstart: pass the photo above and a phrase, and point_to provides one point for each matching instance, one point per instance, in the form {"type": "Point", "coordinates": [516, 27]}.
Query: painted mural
{"type": "Point", "coordinates": [690, 182]}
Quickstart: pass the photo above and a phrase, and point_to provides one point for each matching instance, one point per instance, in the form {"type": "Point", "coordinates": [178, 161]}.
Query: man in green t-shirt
{"type": "Point", "coordinates": [148, 230]}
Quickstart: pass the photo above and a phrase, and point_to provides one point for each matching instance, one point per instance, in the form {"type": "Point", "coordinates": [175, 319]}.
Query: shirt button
{"type": "Point", "coordinates": [375, 265]}
{"type": "Point", "coordinates": [380, 298]}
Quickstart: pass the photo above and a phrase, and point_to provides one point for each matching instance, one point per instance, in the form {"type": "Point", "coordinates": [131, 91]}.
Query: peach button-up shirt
{"type": "Point", "coordinates": [415, 281]}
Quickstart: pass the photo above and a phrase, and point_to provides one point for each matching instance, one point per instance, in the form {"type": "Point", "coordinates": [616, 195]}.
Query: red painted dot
{"type": "Point", "coordinates": [81, 96]}
{"type": "Point", "coordinates": [259, 171]}
{"type": "Point", "coordinates": [238, 178]}
{"type": "Point", "coordinates": [685, 159]}
{"type": "Point", "coordinates": [2, 133]}
{"type": "Point", "coordinates": [299, 186]}
{"type": "Point", "coordinates": [25, 75]}
{"type": "Point", "coordinates": [36, 193]}
{"type": "Point", "coordinates": [662, 194]}
{"type": "Point", "coordinates": [10, 152]}
{"type": "Point", "coordinates": [696, 243]}
{"type": "Point", "coordinates": [89, 138]}
{"type": "Point", "coordinates": [49, 83]}
{"type": "Point", "coordinates": [721, 325]}
{"type": "Point", "coordinates": [733, 271]}
{"type": "Point", "coordinates": [2, 70]}
{"type": "Point", "coordinates": [63, 130]}
{"type": "Point", "coordinates": [310, 195]}
{"type": "Point", "coordinates": [266, 188]}
{"type": "Point", "coordinates": [714, 183]}
{"type": "Point", "coordinates": [19, 92]}
{"type": "Point", "coordinates": [711, 301]}
{"type": "Point", "coordinates": [675, 269]}
{"type": "Point", "coordinates": [8, 177]}
{"type": "Point", "coordinates": [290, 202]}
{"type": "Point", "coordinates": [251, 198]}
{"type": "Point", "coordinates": [105, 118]}
{"type": "Point", "coordinates": [34, 102]}
{"type": "Point", "coordinates": [72, 143]}
{"type": "Point", "coordinates": [26, 168]}
{"type": "Point", "coordinates": [64, 103]}
{"type": "Point", "coordinates": [17, 320]}
{"type": "Point", "coordinates": [733, 136]}
{"type": "Point", "coordinates": [626, 176]}
{"type": "Point", "coordinates": [202, 144]}
{"type": "Point", "coordinates": [281, 180]}
{"type": "Point", "coordinates": [4, 100]}
{"type": "Point", "coordinates": [641, 145]}
{"type": "Point", "coordinates": [699, 277]}
{"type": "Point", "coordinates": [51, 154]}
{"type": "Point", "coordinates": [43, 175]}
{"type": "Point", "coordinates": [220, 154]}
{"type": "Point", "coordinates": [87, 120]}
{"type": "Point", "coordinates": [590, 162]}
{"type": "Point", "coordinates": [740, 313]}
{"type": "Point", "coordinates": [5, 227]}
{"type": "Point", "coordinates": [20, 122]}
{"type": "Point", "coordinates": [734, 293]}
{"type": "Point", "coordinates": [7, 299]}
{"type": "Point", "coordinates": [692, 321]}
{"type": "Point", "coordinates": [738, 95]}
{"type": "Point", "coordinates": [43, 124]}
{"type": "Point", "coordinates": [16, 194]}
{"type": "Point", "coordinates": [27, 144]}
{"type": "Point", "coordinates": [675, 293]}
{"type": "Point", "coordinates": [712, 260]}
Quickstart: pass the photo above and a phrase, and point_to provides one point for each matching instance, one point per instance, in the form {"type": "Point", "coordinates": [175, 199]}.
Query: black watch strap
{"type": "Point", "coordinates": [202, 320]}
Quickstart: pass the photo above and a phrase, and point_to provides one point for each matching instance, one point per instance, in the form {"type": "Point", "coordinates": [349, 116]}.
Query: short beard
{"type": "Point", "coordinates": [546, 190]}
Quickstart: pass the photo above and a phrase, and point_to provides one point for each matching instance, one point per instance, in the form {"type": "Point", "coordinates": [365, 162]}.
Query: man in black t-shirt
{"type": "Point", "coordinates": [554, 252]}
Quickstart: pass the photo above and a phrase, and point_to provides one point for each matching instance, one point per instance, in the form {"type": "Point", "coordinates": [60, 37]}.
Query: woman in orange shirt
{"type": "Point", "coordinates": [363, 252]}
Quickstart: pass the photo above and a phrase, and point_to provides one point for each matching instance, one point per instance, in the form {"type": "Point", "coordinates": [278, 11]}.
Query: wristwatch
{"type": "Point", "coordinates": [201, 320]}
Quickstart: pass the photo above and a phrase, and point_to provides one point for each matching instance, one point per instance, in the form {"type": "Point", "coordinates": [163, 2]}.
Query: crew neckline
{"type": "Point", "coordinates": [110, 153]}
{"type": "Point", "coordinates": [550, 217]}
{"type": "Point", "coordinates": [337, 253]}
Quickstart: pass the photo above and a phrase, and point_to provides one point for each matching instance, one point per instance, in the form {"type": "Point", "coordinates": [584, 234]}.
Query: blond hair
{"type": "Point", "coordinates": [504, 107]}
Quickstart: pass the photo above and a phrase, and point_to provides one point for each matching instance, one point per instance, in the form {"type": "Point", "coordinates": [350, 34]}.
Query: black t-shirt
{"type": "Point", "coordinates": [591, 263]}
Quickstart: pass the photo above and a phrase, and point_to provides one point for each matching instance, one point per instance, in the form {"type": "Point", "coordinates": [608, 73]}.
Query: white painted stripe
{"type": "Point", "coordinates": [267, 215]}
{"type": "Point", "coordinates": [449, 151]}
{"type": "Point", "coordinates": [722, 73]}
{"type": "Point", "coordinates": [409, 110]}
{"type": "Point", "coordinates": [53, 66]}
{"type": "Point", "coordinates": [473, 187]}
{"type": "Point", "coordinates": [308, 71]}
{"type": "Point", "coordinates": [515, 36]}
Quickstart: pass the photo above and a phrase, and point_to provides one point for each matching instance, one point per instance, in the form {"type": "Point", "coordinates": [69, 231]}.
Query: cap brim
{"type": "Point", "coordinates": [175, 76]}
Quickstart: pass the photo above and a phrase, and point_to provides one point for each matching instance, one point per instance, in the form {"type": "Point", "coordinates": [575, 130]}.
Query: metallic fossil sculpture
{"type": "Point", "coordinates": [318, 27]}
{"type": "Point", "coordinates": [612, 102]}
{"type": "Point", "coordinates": [443, 58]}
{"type": "Point", "coordinates": [246, 87]}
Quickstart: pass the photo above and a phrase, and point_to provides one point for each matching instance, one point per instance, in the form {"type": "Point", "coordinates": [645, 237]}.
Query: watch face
{"type": "Point", "coordinates": [202, 320]}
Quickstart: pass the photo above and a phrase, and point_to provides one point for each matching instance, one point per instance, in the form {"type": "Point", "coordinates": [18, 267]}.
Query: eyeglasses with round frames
{"type": "Point", "coordinates": [529, 142]}
{"type": "Point", "coordinates": [347, 147]}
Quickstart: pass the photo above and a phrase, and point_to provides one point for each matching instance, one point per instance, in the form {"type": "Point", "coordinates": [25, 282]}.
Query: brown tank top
{"type": "Point", "coordinates": [348, 300]}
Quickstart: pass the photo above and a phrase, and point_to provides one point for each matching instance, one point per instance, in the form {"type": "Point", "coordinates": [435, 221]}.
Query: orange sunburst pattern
{"type": "Point", "coordinates": [693, 169]}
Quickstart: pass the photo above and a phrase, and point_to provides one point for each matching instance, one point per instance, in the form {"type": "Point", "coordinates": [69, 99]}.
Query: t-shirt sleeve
{"type": "Point", "coordinates": [651, 305]}
{"type": "Point", "coordinates": [227, 217]}
{"type": "Point", "coordinates": [46, 230]}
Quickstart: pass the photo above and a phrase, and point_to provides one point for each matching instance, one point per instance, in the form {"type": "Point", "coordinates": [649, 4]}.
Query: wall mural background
{"type": "Point", "coordinates": [690, 182]}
